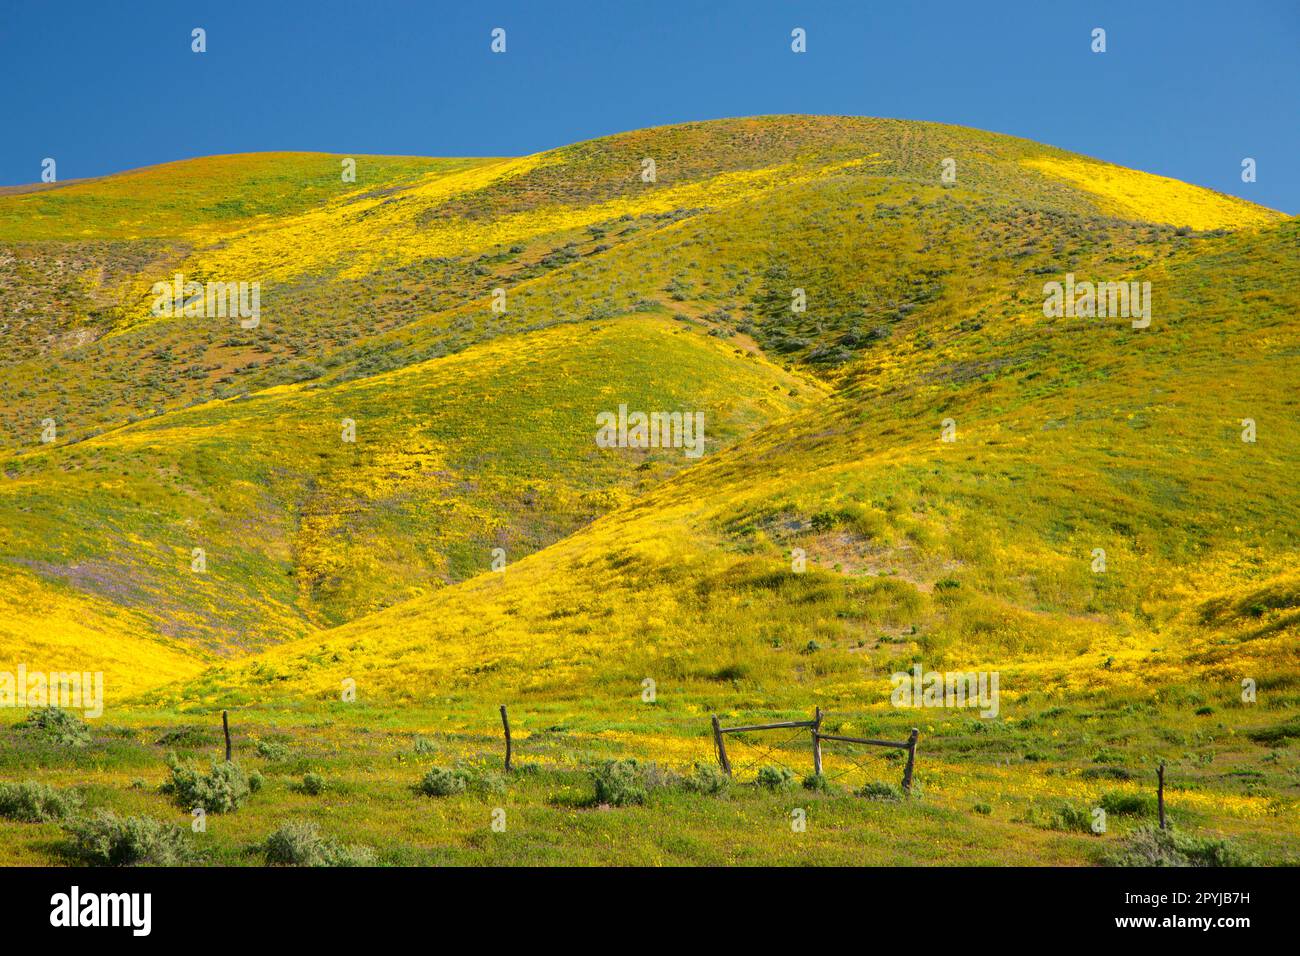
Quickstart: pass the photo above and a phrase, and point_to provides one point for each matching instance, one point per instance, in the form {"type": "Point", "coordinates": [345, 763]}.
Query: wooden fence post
{"type": "Point", "coordinates": [911, 760]}
{"type": "Point", "coordinates": [722, 747]}
{"type": "Point", "coordinates": [225, 726]}
{"type": "Point", "coordinates": [1160, 794]}
{"type": "Point", "coordinates": [505, 722]}
{"type": "Point", "coordinates": [817, 742]}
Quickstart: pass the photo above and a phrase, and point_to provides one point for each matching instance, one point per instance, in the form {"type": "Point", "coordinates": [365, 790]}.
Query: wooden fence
{"type": "Point", "coordinates": [815, 729]}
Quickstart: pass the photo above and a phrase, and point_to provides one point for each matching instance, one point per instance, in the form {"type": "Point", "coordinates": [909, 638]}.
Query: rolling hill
{"type": "Point", "coordinates": [907, 461]}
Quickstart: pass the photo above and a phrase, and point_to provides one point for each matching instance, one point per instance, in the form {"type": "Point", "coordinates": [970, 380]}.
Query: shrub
{"type": "Point", "coordinates": [485, 781]}
{"type": "Point", "coordinates": [1107, 773]}
{"type": "Point", "coordinates": [775, 778]}
{"type": "Point", "coordinates": [1124, 804]}
{"type": "Point", "coordinates": [224, 790]}
{"type": "Point", "coordinates": [707, 779]}
{"type": "Point", "coordinates": [619, 783]}
{"type": "Point", "coordinates": [105, 839]}
{"type": "Point", "coordinates": [823, 521]}
{"type": "Point", "coordinates": [270, 750]}
{"type": "Point", "coordinates": [313, 784]}
{"type": "Point", "coordinates": [256, 782]}
{"type": "Point", "coordinates": [56, 726]}
{"type": "Point", "coordinates": [443, 783]}
{"type": "Point", "coordinates": [1275, 735]}
{"type": "Point", "coordinates": [983, 809]}
{"type": "Point", "coordinates": [299, 843]}
{"type": "Point", "coordinates": [1071, 818]}
{"type": "Point", "coordinates": [1150, 846]}
{"type": "Point", "coordinates": [876, 790]}
{"type": "Point", "coordinates": [439, 782]}
{"type": "Point", "coordinates": [818, 782]}
{"type": "Point", "coordinates": [423, 745]}
{"type": "Point", "coordinates": [32, 802]}
{"type": "Point", "coordinates": [186, 737]}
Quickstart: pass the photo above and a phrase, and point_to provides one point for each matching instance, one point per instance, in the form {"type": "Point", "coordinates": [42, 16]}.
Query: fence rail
{"type": "Point", "coordinates": [814, 726]}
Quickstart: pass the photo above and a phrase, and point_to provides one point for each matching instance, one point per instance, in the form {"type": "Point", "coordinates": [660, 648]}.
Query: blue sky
{"type": "Point", "coordinates": [1185, 89]}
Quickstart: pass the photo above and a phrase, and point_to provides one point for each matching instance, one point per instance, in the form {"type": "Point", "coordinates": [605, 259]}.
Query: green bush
{"type": "Point", "coordinates": [818, 783]}
{"type": "Point", "coordinates": [224, 790]}
{"type": "Point", "coordinates": [32, 802]}
{"type": "Point", "coordinates": [1107, 773]}
{"type": "Point", "coordinates": [485, 781]}
{"type": "Point", "coordinates": [876, 790]}
{"type": "Point", "coordinates": [1275, 735]}
{"type": "Point", "coordinates": [1127, 804]}
{"type": "Point", "coordinates": [983, 809]}
{"type": "Point", "coordinates": [56, 726]}
{"type": "Point", "coordinates": [299, 843]}
{"type": "Point", "coordinates": [1071, 819]}
{"type": "Point", "coordinates": [1150, 846]}
{"type": "Point", "coordinates": [313, 784]}
{"type": "Point", "coordinates": [187, 737]}
{"type": "Point", "coordinates": [620, 783]}
{"type": "Point", "coordinates": [440, 782]}
{"type": "Point", "coordinates": [775, 778]}
{"type": "Point", "coordinates": [707, 779]}
{"type": "Point", "coordinates": [423, 745]}
{"type": "Point", "coordinates": [270, 750]}
{"type": "Point", "coordinates": [105, 839]}
{"type": "Point", "coordinates": [443, 783]}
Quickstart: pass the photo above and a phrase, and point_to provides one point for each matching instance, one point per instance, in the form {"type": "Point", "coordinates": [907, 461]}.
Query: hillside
{"type": "Point", "coordinates": [1071, 436]}
{"type": "Point", "coordinates": [452, 458]}
{"type": "Point", "coordinates": [327, 560]}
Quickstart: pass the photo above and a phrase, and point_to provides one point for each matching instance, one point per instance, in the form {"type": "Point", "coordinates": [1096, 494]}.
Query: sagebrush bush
{"type": "Point", "coordinates": [818, 783]}
{"type": "Point", "coordinates": [1148, 845]}
{"type": "Point", "coordinates": [105, 839]}
{"type": "Point", "coordinates": [224, 790]}
{"type": "Point", "coordinates": [313, 784]}
{"type": "Point", "coordinates": [620, 783]}
{"type": "Point", "coordinates": [1107, 773]}
{"type": "Point", "coordinates": [1071, 819]}
{"type": "Point", "coordinates": [32, 802]}
{"type": "Point", "coordinates": [1120, 803]}
{"type": "Point", "coordinates": [878, 790]}
{"type": "Point", "coordinates": [56, 726]}
{"type": "Point", "coordinates": [187, 737]}
{"type": "Point", "coordinates": [707, 779]}
{"type": "Point", "coordinates": [775, 778]}
{"type": "Point", "coordinates": [270, 750]}
{"type": "Point", "coordinates": [440, 782]}
{"type": "Point", "coordinates": [486, 781]}
{"type": "Point", "coordinates": [299, 843]}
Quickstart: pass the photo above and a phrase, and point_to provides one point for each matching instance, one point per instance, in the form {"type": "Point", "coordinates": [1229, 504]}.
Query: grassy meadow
{"type": "Point", "coordinates": [917, 468]}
